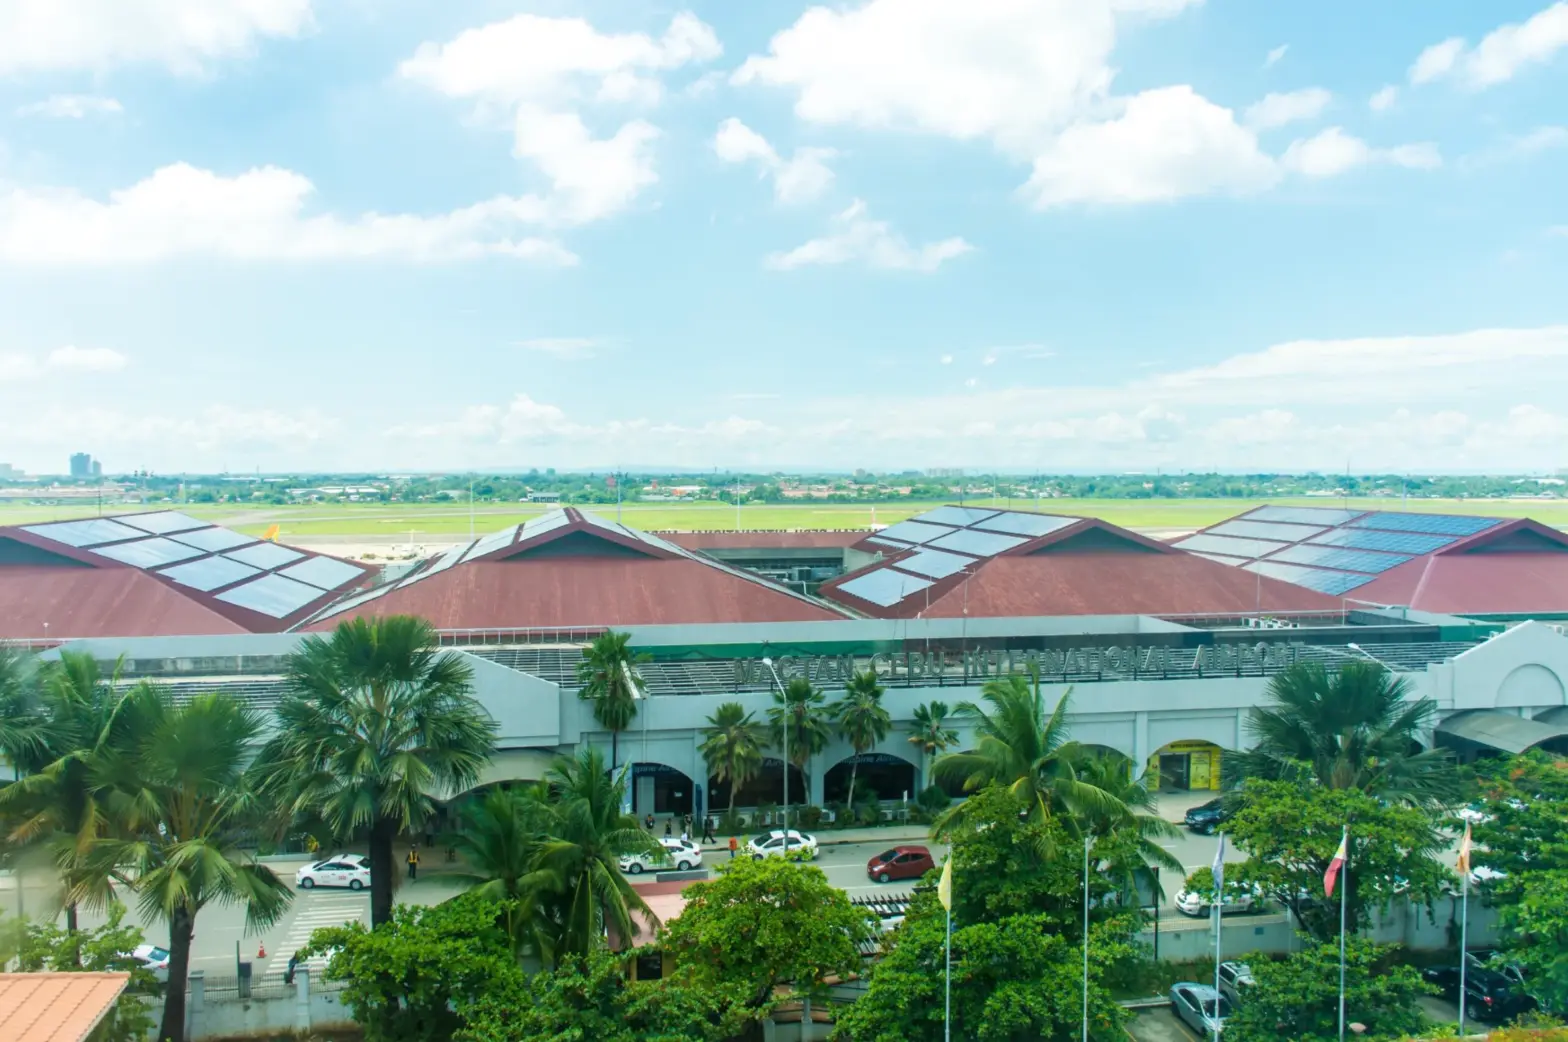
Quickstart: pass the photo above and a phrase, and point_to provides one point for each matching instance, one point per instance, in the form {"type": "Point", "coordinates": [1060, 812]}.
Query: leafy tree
{"type": "Point", "coordinates": [377, 723]}
{"type": "Point", "coordinates": [180, 796]}
{"type": "Point", "coordinates": [732, 747]}
{"type": "Point", "coordinates": [1355, 728]}
{"type": "Point", "coordinates": [1523, 826]}
{"type": "Point", "coordinates": [1535, 926]}
{"type": "Point", "coordinates": [1014, 979]}
{"type": "Point", "coordinates": [1298, 998]}
{"type": "Point", "coordinates": [860, 719]}
{"type": "Point", "coordinates": [803, 708]}
{"type": "Point", "coordinates": [929, 732]}
{"type": "Point", "coordinates": [106, 948]}
{"type": "Point", "coordinates": [608, 678]}
{"type": "Point", "coordinates": [764, 923]}
{"type": "Point", "coordinates": [1126, 832]}
{"type": "Point", "coordinates": [1291, 831]}
{"type": "Point", "coordinates": [997, 870]}
{"type": "Point", "coordinates": [499, 840]}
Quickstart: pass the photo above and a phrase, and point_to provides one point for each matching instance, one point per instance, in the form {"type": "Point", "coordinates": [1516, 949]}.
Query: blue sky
{"type": "Point", "coordinates": [1021, 234]}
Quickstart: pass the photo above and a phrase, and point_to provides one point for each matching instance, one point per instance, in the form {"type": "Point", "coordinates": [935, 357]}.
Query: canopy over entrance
{"type": "Point", "coordinates": [1504, 732]}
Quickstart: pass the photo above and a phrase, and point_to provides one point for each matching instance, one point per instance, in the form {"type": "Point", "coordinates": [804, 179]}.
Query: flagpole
{"type": "Point", "coordinates": [947, 1001]}
{"type": "Point", "coordinates": [1217, 872]}
{"type": "Point", "coordinates": [1464, 940]}
{"type": "Point", "coordinates": [1085, 938]}
{"type": "Point", "coordinates": [1344, 895]}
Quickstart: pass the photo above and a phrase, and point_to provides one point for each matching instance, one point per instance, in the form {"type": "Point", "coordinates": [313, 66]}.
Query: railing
{"type": "Point", "coordinates": [503, 636]}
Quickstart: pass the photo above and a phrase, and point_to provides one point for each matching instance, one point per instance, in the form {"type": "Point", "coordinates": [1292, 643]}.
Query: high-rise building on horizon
{"type": "Point", "coordinates": [81, 465]}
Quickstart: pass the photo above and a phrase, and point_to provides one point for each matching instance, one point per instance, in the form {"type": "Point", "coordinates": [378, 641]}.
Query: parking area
{"type": "Point", "coordinates": [1159, 1024]}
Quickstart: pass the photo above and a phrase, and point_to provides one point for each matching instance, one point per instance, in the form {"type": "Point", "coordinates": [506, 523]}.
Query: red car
{"type": "Point", "coordinates": [900, 863]}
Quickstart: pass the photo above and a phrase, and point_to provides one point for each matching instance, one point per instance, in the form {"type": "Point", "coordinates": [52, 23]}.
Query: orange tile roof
{"type": "Point", "coordinates": [56, 1007]}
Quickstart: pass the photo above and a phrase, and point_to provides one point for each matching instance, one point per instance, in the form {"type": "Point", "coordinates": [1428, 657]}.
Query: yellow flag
{"type": "Point", "coordinates": [1463, 864]}
{"type": "Point", "coordinates": [944, 889]}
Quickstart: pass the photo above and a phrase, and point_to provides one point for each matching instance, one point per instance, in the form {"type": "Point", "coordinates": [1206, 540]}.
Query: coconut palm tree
{"type": "Point", "coordinates": [1126, 839]}
{"type": "Point", "coordinates": [377, 724]}
{"type": "Point", "coordinates": [860, 719]}
{"type": "Point", "coordinates": [930, 734]}
{"type": "Point", "coordinates": [733, 747]}
{"type": "Point", "coordinates": [805, 710]}
{"type": "Point", "coordinates": [578, 862]}
{"type": "Point", "coordinates": [609, 679]}
{"type": "Point", "coordinates": [499, 839]}
{"type": "Point", "coordinates": [22, 723]}
{"type": "Point", "coordinates": [1354, 728]}
{"type": "Point", "coordinates": [179, 796]}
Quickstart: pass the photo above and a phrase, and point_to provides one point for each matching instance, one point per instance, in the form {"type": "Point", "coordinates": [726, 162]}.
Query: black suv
{"type": "Point", "coordinates": [1207, 819]}
{"type": "Point", "coordinates": [1490, 995]}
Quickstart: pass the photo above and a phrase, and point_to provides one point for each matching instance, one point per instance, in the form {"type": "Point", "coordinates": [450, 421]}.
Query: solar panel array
{"type": "Point", "coordinates": [238, 569]}
{"type": "Point", "coordinates": [1329, 549]}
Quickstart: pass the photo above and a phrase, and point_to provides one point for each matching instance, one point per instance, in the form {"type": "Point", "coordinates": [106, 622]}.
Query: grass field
{"type": "Point", "coordinates": [420, 522]}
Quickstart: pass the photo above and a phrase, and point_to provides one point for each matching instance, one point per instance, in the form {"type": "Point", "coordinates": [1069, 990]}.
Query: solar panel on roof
{"type": "Point", "coordinates": [325, 573]}
{"type": "Point", "coordinates": [1266, 530]}
{"type": "Point", "coordinates": [352, 602]}
{"type": "Point", "coordinates": [915, 532]}
{"type": "Point", "coordinates": [161, 522]}
{"type": "Point", "coordinates": [1220, 544]}
{"type": "Point", "coordinates": [980, 544]}
{"type": "Point", "coordinates": [1327, 516]}
{"type": "Point", "coordinates": [149, 553]}
{"type": "Point", "coordinates": [1331, 583]}
{"type": "Point", "coordinates": [1222, 559]}
{"type": "Point", "coordinates": [1393, 542]}
{"type": "Point", "coordinates": [884, 586]}
{"type": "Point", "coordinates": [1435, 524]}
{"type": "Point", "coordinates": [889, 544]}
{"type": "Point", "coordinates": [447, 559]}
{"type": "Point", "coordinates": [90, 532]}
{"type": "Point", "coordinates": [1032, 525]}
{"type": "Point", "coordinates": [959, 516]}
{"type": "Point", "coordinates": [209, 574]}
{"type": "Point", "coordinates": [490, 543]}
{"type": "Point", "coordinates": [1339, 557]}
{"type": "Point", "coordinates": [214, 540]}
{"type": "Point", "coordinates": [934, 564]}
{"type": "Point", "coordinates": [271, 595]}
{"type": "Point", "coordinates": [264, 555]}
{"type": "Point", "coordinates": [546, 522]}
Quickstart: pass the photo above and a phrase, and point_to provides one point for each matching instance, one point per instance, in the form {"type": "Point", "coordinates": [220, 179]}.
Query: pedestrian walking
{"type": "Point", "coordinates": [669, 824]}
{"type": "Point", "coordinates": [734, 846]}
{"type": "Point", "coordinates": [686, 823]}
{"type": "Point", "coordinates": [413, 862]}
{"type": "Point", "coordinates": [707, 829]}
{"type": "Point", "coordinates": [649, 821]}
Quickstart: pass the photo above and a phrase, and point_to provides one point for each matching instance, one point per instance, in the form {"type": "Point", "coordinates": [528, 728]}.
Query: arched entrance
{"type": "Point", "coordinates": [658, 788]}
{"type": "Point", "coordinates": [766, 786]}
{"type": "Point", "coordinates": [1186, 766]}
{"type": "Point", "coordinates": [882, 773]}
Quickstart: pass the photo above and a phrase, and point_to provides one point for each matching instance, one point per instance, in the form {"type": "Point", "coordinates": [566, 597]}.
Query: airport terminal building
{"type": "Point", "coordinates": [1164, 647]}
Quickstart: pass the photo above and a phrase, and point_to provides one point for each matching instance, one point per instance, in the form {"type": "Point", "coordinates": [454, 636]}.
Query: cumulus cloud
{"type": "Point", "coordinates": [261, 214]}
{"type": "Point", "coordinates": [18, 366]}
{"type": "Point", "coordinates": [856, 238]}
{"type": "Point", "coordinates": [1333, 152]}
{"type": "Point", "coordinates": [1276, 110]}
{"type": "Point", "coordinates": [1501, 55]}
{"type": "Point", "coordinates": [800, 179]}
{"type": "Point", "coordinates": [184, 36]}
{"type": "Point", "coordinates": [1384, 99]}
{"type": "Point", "coordinates": [72, 106]}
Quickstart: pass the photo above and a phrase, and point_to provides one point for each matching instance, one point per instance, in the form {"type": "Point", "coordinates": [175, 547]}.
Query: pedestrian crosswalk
{"type": "Point", "coordinates": [313, 911]}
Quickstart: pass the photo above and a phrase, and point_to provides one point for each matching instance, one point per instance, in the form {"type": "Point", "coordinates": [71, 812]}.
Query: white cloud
{"type": "Point", "coordinates": [87, 359]}
{"type": "Point", "coordinates": [799, 179]}
{"type": "Point", "coordinates": [1521, 146]}
{"type": "Point", "coordinates": [1275, 55]}
{"type": "Point", "coordinates": [181, 210]}
{"type": "Point", "coordinates": [856, 237]}
{"type": "Point", "coordinates": [1276, 110]}
{"type": "Point", "coordinates": [592, 178]}
{"type": "Point", "coordinates": [1384, 99]}
{"type": "Point", "coordinates": [72, 106]}
{"type": "Point", "coordinates": [947, 359]}
{"type": "Point", "coordinates": [561, 346]}
{"type": "Point", "coordinates": [1500, 55]}
{"type": "Point", "coordinates": [1333, 152]}
{"type": "Point", "coordinates": [1166, 144]}
{"type": "Point", "coordinates": [185, 36]}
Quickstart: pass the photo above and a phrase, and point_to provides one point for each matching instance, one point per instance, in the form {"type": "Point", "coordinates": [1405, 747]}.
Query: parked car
{"type": "Point", "coordinates": [1207, 818]}
{"type": "Point", "coordinates": [1237, 900]}
{"type": "Point", "coordinates": [352, 871]}
{"type": "Point", "coordinates": [153, 958]}
{"type": "Point", "coordinates": [1489, 995]}
{"type": "Point", "coordinates": [679, 854]}
{"type": "Point", "coordinates": [900, 863]}
{"type": "Point", "coordinates": [1199, 1007]}
{"type": "Point", "coordinates": [771, 844]}
{"type": "Point", "coordinates": [1235, 979]}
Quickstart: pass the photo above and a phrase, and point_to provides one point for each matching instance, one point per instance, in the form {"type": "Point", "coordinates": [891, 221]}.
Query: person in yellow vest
{"type": "Point", "coordinates": [413, 862]}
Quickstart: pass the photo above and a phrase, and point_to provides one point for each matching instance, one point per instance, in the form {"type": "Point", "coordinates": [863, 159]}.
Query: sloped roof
{"type": "Point", "coordinates": [964, 560]}
{"type": "Point", "coordinates": [56, 1007]}
{"type": "Point", "coordinates": [814, 539]}
{"type": "Point", "coordinates": [572, 569]}
{"type": "Point", "coordinates": [126, 574]}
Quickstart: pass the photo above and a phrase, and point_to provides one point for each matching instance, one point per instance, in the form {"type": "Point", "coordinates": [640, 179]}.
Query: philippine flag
{"type": "Point", "coordinates": [1332, 875]}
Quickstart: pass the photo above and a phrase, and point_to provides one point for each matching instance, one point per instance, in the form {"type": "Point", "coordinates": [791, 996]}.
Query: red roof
{"type": "Point", "coordinates": [1517, 568]}
{"type": "Point", "coordinates": [99, 602]}
{"type": "Point", "coordinates": [826, 539]}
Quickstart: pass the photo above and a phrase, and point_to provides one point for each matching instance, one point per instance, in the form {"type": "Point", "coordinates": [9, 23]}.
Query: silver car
{"type": "Point", "coordinates": [1200, 1007]}
{"type": "Point", "coordinates": [1235, 979]}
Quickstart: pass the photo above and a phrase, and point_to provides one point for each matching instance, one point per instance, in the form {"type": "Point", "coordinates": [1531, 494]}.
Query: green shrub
{"type": "Point", "coordinates": [808, 817]}
{"type": "Point", "coordinates": [843, 817]}
{"type": "Point", "coordinates": [933, 800]}
{"type": "Point", "coordinates": [732, 823]}
{"type": "Point", "coordinates": [766, 812]}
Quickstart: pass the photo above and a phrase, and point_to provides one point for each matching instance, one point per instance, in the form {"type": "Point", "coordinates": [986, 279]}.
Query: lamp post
{"type": "Point", "coordinates": [775, 674]}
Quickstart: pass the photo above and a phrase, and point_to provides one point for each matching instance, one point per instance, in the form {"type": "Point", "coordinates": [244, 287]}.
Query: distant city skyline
{"type": "Point", "coordinates": [331, 236]}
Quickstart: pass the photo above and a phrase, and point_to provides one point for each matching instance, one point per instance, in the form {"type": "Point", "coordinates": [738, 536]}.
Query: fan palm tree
{"type": "Point", "coordinates": [1357, 728]}
{"type": "Point", "coordinates": [180, 795]}
{"type": "Point", "coordinates": [1125, 839]}
{"type": "Point", "coordinates": [930, 734]}
{"type": "Point", "coordinates": [499, 839]}
{"type": "Point", "coordinates": [860, 719]}
{"type": "Point", "coordinates": [804, 709]}
{"type": "Point", "coordinates": [609, 679]}
{"type": "Point", "coordinates": [376, 724]}
{"type": "Point", "coordinates": [733, 747]}
{"type": "Point", "coordinates": [1019, 747]}
{"type": "Point", "coordinates": [579, 860]}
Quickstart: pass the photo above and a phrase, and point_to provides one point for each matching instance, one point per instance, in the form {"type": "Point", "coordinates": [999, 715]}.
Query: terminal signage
{"type": "Point", "coordinates": [979, 665]}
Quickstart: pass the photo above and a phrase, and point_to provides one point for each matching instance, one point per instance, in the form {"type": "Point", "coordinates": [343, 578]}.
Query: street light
{"type": "Point", "coordinates": [775, 674]}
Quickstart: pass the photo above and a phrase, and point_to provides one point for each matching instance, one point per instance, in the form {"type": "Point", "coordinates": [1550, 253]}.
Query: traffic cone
{"type": "Point", "coordinates": [261, 950]}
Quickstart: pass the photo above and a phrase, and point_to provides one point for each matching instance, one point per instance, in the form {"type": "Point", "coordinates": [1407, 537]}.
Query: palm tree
{"type": "Point", "coordinates": [579, 861]}
{"type": "Point", "coordinates": [180, 794]}
{"type": "Point", "coordinates": [803, 706]}
{"type": "Point", "coordinates": [861, 719]}
{"type": "Point", "coordinates": [377, 723]}
{"type": "Point", "coordinates": [609, 679]}
{"type": "Point", "coordinates": [1357, 728]}
{"type": "Point", "coordinates": [22, 724]}
{"type": "Point", "coordinates": [1125, 839]}
{"type": "Point", "coordinates": [733, 747]}
{"type": "Point", "coordinates": [1019, 747]}
{"type": "Point", "coordinates": [930, 734]}
{"type": "Point", "coordinates": [499, 840]}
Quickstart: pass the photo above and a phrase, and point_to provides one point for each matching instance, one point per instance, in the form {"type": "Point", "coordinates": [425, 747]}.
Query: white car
{"type": "Point", "coordinates": [1236, 900]}
{"type": "Point", "coordinates": [679, 854]}
{"type": "Point", "coordinates": [347, 870]}
{"type": "Point", "coordinates": [1235, 981]}
{"type": "Point", "coordinates": [772, 844]}
{"type": "Point", "coordinates": [153, 958]}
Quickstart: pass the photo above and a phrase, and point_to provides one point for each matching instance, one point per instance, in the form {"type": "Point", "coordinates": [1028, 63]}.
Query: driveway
{"type": "Point", "coordinates": [1159, 1025]}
